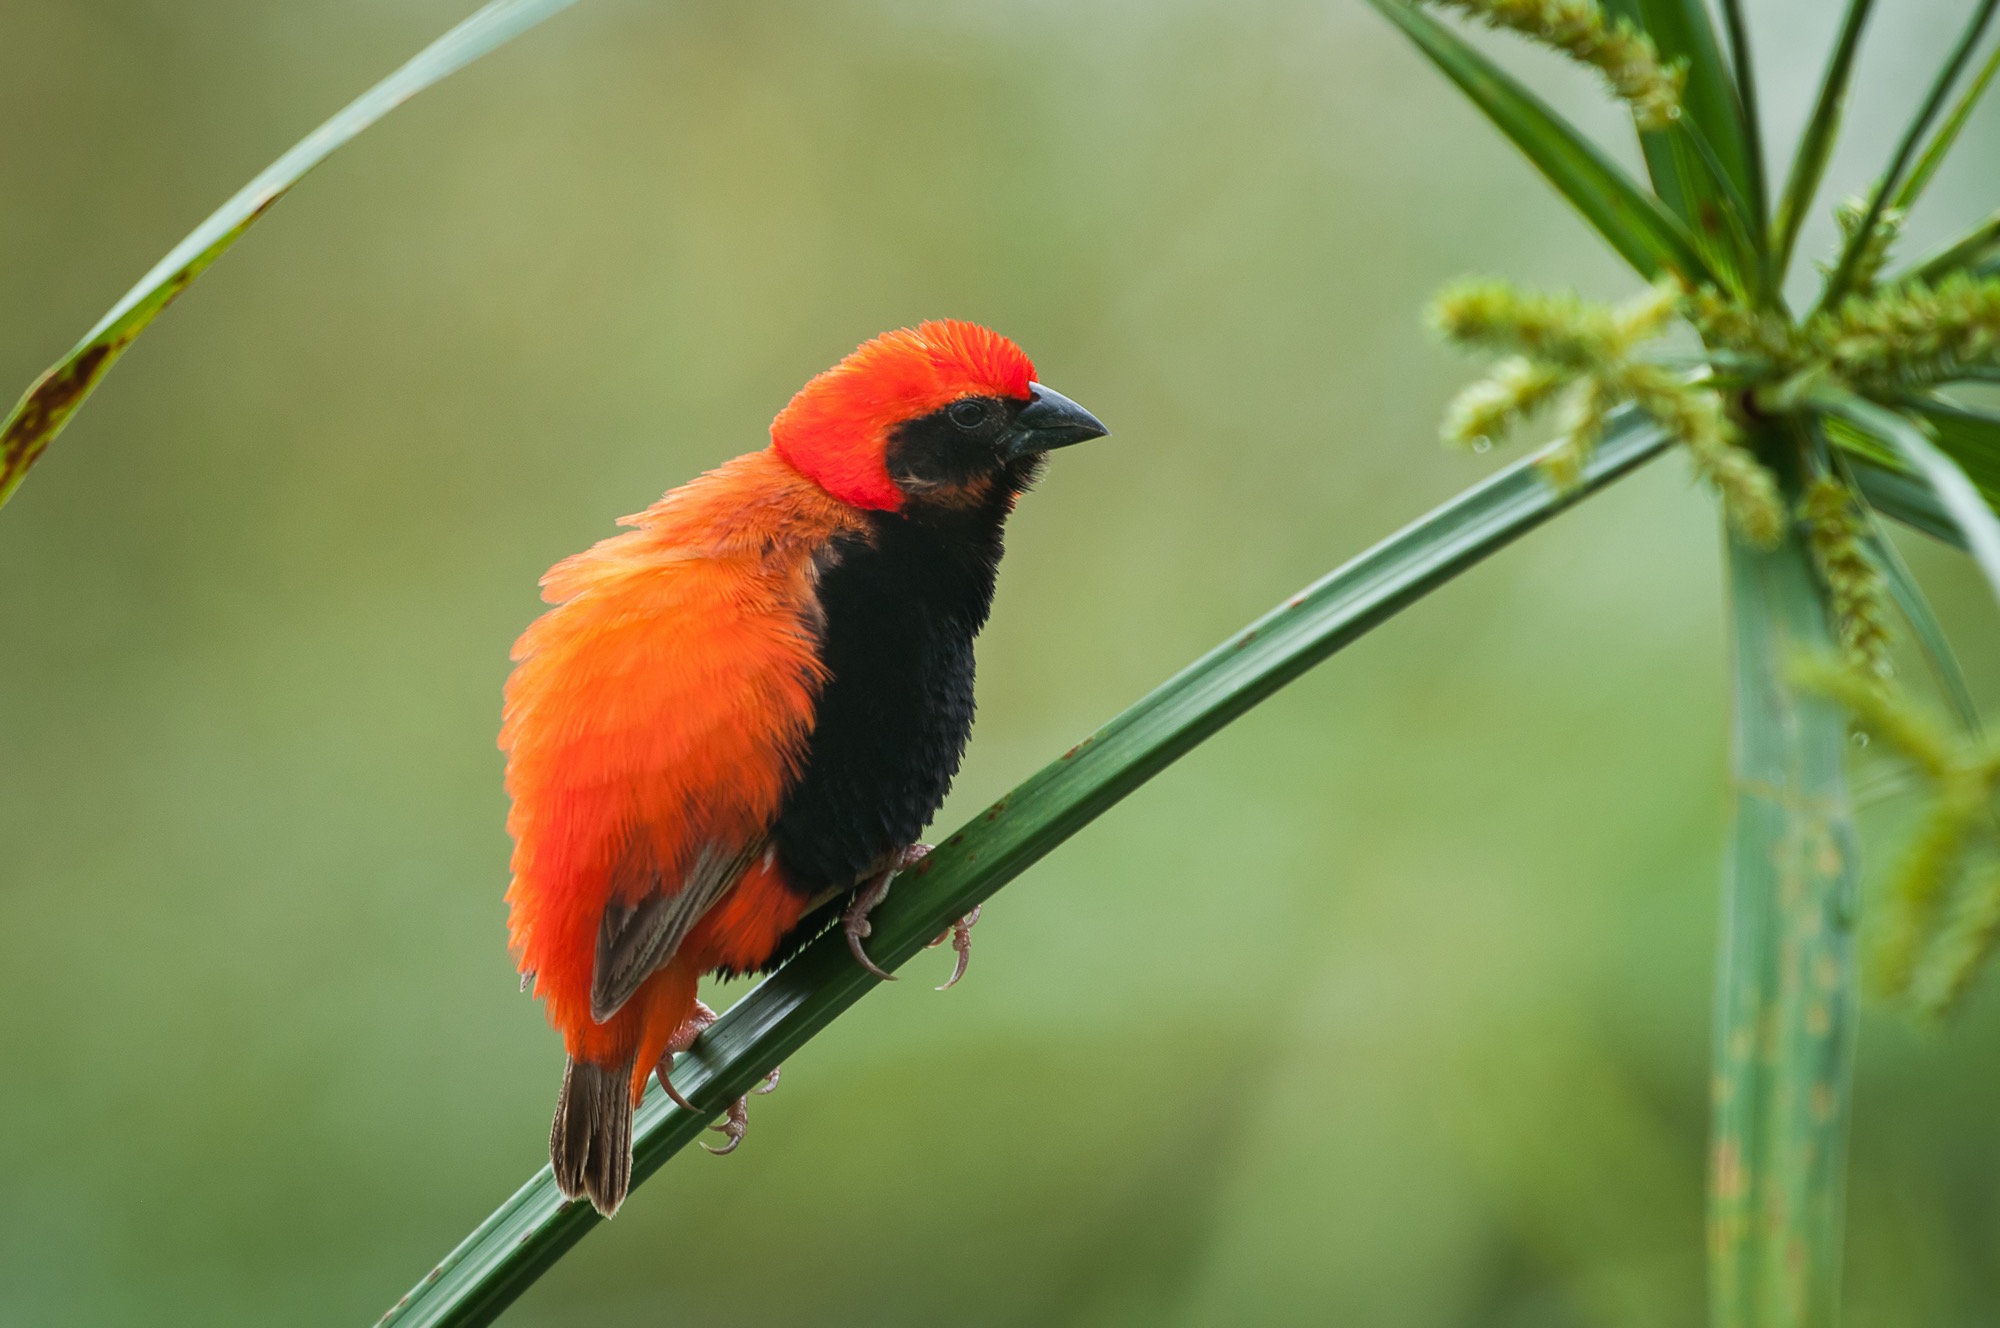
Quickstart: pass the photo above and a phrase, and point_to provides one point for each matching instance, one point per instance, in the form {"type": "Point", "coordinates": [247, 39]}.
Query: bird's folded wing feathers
{"type": "Point", "coordinates": [636, 941]}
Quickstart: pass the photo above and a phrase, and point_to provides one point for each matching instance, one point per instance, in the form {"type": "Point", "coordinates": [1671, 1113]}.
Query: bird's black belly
{"type": "Point", "coordinates": [900, 609]}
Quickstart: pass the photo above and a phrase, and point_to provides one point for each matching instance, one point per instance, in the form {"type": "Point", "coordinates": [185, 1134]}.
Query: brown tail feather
{"type": "Point", "coordinates": [590, 1144]}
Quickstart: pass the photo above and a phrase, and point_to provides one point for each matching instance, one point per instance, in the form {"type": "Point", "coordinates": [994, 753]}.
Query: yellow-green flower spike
{"type": "Point", "coordinates": [1579, 29]}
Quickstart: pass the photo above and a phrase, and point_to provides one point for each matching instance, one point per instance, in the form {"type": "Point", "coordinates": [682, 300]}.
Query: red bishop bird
{"type": "Point", "coordinates": [730, 730]}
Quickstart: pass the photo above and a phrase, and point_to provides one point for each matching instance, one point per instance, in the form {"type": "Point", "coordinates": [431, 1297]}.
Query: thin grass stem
{"type": "Point", "coordinates": [1816, 147]}
{"type": "Point", "coordinates": [1947, 134]}
{"type": "Point", "coordinates": [1859, 242]}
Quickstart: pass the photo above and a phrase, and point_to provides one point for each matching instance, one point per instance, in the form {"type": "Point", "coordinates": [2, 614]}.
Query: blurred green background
{"type": "Point", "coordinates": [1389, 1006]}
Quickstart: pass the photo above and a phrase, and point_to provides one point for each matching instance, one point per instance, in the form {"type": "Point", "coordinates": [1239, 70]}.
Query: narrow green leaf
{"type": "Point", "coordinates": [1746, 101]}
{"type": "Point", "coordinates": [1946, 135]}
{"type": "Point", "coordinates": [1896, 493]}
{"type": "Point", "coordinates": [48, 404]}
{"type": "Point", "coordinates": [532, 1230]}
{"type": "Point", "coordinates": [1955, 493]}
{"type": "Point", "coordinates": [1932, 639]}
{"type": "Point", "coordinates": [1816, 147]}
{"type": "Point", "coordinates": [1634, 222]}
{"type": "Point", "coordinates": [1786, 1003]}
{"type": "Point", "coordinates": [1976, 250]}
{"type": "Point", "coordinates": [1838, 284]}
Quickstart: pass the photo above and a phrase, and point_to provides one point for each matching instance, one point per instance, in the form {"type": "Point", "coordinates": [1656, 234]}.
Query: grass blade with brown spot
{"type": "Point", "coordinates": [49, 403]}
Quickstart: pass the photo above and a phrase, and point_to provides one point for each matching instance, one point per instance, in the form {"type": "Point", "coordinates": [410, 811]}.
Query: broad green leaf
{"type": "Point", "coordinates": [47, 405]}
{"type": "Point", "coordinates": [1683, 30]}
{"type": "Point", "coordinates": [1969, 511]}
{"type": "Point", "coordinates": [1699, 168]}
{"type": "Point", "coordinates": [1816, 147]}
{"type": "Point", "coordinates": [533, 1229]}
{"type": "Point", "coordinates": [1786, 1004]}
{"type": "Point", "coordinates": [1634, 222]}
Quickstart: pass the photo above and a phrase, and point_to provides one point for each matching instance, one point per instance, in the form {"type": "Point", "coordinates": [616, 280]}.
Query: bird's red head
{"type": "Point", "coordinates": [849, 428]}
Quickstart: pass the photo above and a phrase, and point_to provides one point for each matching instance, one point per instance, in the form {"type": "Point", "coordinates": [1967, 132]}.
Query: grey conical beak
{"type": "Point", "coordinates": [1050, 420]}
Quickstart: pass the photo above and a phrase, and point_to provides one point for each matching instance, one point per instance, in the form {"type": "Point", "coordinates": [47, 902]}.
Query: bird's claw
{"type": "Point", "coordinates": [735, 1125]}
{"type": "Point", "coordinates": [683, 1038]}
{"type": "Point", "coordinates": [960, 935]}
{"type": "Point", "coordinates": [736, 1121]}
{"type": "Point", "coordinates": [855, 921]}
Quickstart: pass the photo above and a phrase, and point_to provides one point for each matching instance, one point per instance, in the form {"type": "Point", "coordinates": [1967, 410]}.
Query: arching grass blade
{"type": "Point", "coordinates": [536, 1227]}
{"type": "Point", "coordinates": [1630, 219]}
{"type": "Point", "coordinates": [1955, 493]}
{"type": "Point", "coordinates": [49, 403]}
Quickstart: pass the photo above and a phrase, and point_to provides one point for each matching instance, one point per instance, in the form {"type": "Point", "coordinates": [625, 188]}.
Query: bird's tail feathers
{"type": "Point", "coordinates": [590, 1143]}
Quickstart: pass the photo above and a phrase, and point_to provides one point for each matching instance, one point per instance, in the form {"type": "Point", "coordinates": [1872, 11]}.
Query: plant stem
{"type": "Point", "coordinates": [1786, 1003]}
{"type": "Point", "coordinates": [532, 1230]}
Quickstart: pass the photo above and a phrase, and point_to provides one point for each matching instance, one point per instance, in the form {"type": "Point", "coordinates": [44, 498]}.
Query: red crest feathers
{"type": "Point", "coordinates": [836, 430]}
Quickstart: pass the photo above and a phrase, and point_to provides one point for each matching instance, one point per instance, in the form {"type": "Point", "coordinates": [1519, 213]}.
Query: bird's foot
{"type": "Point", "coordinates": [855, 921]}
{"type": "Point", "coordinates": [736, 1121]}
{"type": "Point", "coordinates": [960, 935]}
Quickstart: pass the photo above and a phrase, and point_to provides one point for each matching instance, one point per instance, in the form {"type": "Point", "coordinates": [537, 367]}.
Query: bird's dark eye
{"type": "Point", "coordinates": [968, 414]}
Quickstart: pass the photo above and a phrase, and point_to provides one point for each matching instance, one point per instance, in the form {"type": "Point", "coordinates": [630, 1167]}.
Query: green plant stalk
{"type": "Point", "coordinates": [53, 398]}
{"type": "Point", "coordinates": [1816, 147]}
{"type": "Point", "coordinates": [532, 1230]}
{"type": "Point", "coordinates": [1787, 1001]}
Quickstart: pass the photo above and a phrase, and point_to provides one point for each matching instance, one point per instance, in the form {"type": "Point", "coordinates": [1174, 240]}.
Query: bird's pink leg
{"type": "Point", "coordinates": [873, 891]}
{"type": "Point", "coordinates": [960, 935]}
{"type": "Point", "coordinates": [736, 1121]}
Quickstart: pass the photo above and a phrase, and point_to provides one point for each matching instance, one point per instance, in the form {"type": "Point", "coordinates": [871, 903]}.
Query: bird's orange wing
{"type": "Point", "coordinates": [654, 722]}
